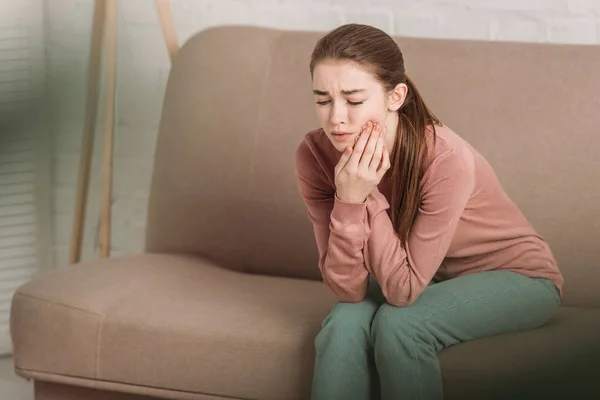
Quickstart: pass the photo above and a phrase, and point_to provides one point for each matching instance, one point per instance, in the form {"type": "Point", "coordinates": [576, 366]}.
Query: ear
{"type": "Point", "coordinates": [397, 96]}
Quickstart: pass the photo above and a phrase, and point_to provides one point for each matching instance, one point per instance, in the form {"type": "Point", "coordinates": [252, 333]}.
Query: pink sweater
{"type": "Point", "coordinates": [466, 223]}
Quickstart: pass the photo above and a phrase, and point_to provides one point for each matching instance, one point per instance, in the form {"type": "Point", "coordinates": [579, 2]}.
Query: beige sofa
{"type": "Point", "coordinates": [225, 301]}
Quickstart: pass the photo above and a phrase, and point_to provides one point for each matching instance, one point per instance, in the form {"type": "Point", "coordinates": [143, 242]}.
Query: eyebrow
{"type": "Point", "coordinates": [346, 92]}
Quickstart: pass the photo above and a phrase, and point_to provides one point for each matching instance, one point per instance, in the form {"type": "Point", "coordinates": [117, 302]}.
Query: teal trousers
{"type": "Point", "coordinates": [373, 350]}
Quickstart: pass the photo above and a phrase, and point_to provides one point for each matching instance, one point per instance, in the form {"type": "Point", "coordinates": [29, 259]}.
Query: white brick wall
{"type": "Point", "coordinates": [143, 67]}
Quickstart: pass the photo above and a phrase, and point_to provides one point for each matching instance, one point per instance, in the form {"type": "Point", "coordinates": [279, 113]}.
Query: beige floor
{"type": "Point", "coordinates": [13, 387]}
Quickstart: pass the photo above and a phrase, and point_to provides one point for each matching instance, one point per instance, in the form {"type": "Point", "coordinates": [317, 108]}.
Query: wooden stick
{"type": "Point", "coordinates": [168, 27]}
{"type": "Point", "coordinates": [91, 112]}
{"type": "Point", "coordinates": [109, 126]}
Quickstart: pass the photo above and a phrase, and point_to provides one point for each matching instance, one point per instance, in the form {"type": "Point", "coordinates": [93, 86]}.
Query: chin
{"type": "Point", "coordinates": [340, 147]}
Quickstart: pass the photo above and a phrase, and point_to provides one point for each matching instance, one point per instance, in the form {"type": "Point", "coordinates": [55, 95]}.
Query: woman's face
{"type": "Point", "coordinates": [347, 97]}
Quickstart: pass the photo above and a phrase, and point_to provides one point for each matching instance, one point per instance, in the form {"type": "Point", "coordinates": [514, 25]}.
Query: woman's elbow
{"type": "Point", "coordinates": [401, 298]}
{"type": "Point", "coordinates": [345, 294]}
{"type": "Point", "coordinates": [400, 302]}
{"type": "Point", "coordinates": [351, 297]}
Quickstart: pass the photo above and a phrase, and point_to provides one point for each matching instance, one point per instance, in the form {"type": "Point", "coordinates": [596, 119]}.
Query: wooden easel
{"type": "Point", "coordinates": [104, 29]}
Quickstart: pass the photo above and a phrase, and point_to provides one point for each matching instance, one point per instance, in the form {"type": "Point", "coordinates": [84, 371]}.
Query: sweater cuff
{"type": "Point", "coordinates": [376, 202]}
{"type": "Point", "coordinates": [348, 213]}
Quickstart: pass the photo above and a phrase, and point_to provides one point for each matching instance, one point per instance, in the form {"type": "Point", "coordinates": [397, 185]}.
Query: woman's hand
{"type": "Point", "coordinates": [361, 168]}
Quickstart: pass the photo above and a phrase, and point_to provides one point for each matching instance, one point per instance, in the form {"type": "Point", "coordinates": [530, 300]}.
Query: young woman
{"type": "Point", "coordinates": [417, 239]}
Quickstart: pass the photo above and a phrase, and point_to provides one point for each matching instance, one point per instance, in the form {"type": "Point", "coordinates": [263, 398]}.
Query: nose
{"type": "Point", "coordinates": [338, 114]}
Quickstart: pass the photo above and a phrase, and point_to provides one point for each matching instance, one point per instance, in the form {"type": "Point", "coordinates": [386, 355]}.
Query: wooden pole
{"type": "Point", "coordinates": [168, 27]}
{"type": "Point", "coordinates": [91, 112]}
{"type": "Point", "coordinates": [109, 127]}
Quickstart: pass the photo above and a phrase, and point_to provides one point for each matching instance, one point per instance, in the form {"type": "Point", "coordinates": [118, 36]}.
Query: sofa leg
{"type": "Point", "coordinates": [57, 391]}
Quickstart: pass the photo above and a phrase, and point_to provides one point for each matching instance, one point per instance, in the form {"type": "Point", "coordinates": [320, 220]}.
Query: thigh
{"type": "Point", "coordinates": [477, 305]}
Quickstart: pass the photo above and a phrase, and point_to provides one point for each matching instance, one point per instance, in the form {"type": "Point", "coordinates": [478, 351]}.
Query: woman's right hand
{"type": "Point", "coordinates": [361, 168]}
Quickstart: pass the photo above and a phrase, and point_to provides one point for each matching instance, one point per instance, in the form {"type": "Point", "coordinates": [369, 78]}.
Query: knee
{"type": "Point", "coordinates": [348, 324]}
{"type": "Point", "coordinates": [394, 326]}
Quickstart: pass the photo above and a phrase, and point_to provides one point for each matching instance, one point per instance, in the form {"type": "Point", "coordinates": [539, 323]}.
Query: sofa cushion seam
{"type": "Point", "coordinates": [98, 342]}
{"type": "Point", "coordinates": [59, 304]}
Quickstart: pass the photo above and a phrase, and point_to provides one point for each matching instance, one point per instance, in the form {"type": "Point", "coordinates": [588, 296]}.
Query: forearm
{"type": "Point", "coordinates": [342, 264]}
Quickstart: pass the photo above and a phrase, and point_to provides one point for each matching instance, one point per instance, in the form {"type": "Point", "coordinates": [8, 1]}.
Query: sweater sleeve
{"type": "Point", "coordinates": [339, 228]}
{"type": "Point", "coordinates": [404, 272]}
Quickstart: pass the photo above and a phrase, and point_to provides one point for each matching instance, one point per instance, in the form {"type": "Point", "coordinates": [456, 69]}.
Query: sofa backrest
{"type": "Point", "coordinates": [238, 101]}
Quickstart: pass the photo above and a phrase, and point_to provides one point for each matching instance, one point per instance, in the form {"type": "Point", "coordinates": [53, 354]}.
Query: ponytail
{"type": "Point", "coordinates": [408, 160]}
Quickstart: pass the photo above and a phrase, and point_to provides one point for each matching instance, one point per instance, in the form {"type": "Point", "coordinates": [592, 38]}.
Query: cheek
{"type": "Point", "coordinates": [382, 113]}
{"type": "Point", "coordinates": [361, 115]}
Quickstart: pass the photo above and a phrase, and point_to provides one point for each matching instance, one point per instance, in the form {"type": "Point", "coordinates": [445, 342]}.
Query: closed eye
{"type": "Point", "coordinates": [352, 103]}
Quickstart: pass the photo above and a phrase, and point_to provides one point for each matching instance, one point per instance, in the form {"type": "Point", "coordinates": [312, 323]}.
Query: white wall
{"type": "Point", "coordinates": [143, 67]}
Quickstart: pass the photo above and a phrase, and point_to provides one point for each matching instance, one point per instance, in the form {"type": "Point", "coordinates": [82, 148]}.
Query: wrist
{"type": "Point", "coordinates": [349, 200]}
{"type": "Point", "coordinates": [346, 215]}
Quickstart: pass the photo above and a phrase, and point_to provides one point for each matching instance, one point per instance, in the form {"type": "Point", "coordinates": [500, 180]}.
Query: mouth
{"type": "Point", "coordinates": [341, 136]}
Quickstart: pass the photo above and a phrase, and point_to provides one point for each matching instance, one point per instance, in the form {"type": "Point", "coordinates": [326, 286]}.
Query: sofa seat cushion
{"type": "Point", "coordinates": [181, 324]}
{"type": "Point", "coordinates": [171, 322]}
{"type": "Point", "coordinates": [559, 360]}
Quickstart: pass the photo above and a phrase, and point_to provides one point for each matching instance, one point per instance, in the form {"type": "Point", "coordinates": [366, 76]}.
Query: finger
{"type": "Point", "coordinates": [377, 156]}
{"type": "Point", "coordinates": [359, 147]}
{"type": "Point", "coordinates": [369, 150]}
{"type": "Point", "coordinates": [385, 163]}
{"type": "Point", "coordinates": [343, 160]}
{"type": "Point", "coordinates": [346, 155]}
{"type": "Point", "coordinates": [364, 128]}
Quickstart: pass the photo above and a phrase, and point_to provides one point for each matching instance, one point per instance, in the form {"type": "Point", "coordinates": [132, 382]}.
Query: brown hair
{"type": "Point", "coordinates": [374, 49]}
